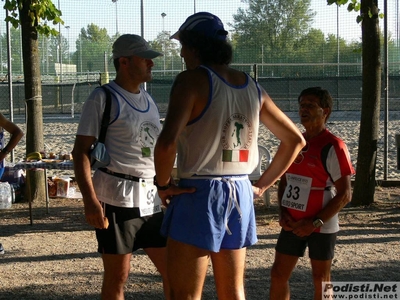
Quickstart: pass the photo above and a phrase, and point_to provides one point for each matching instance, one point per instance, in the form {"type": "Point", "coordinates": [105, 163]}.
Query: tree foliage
{"type": "Point", "coordinates": [280, 32]}
{"type": "Point", "coordinates": [40, 12]}
{"type": "Point", "coordinates": [171, 50]}
{"type": "Point", "coordinates": [355, 5]}
{"type": "Point", "coordinates": [92, 43]}
{"type": "Point", "coordinates": [271, 25]}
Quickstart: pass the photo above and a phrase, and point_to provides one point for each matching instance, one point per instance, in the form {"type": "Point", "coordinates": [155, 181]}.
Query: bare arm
{"type": "Point", "coordinates": [183, 106]}
{"type": "Point", "coordinates": [16, 135]}
{"type": "Point", "coordinates": [291, 143]}
{"type": "Point", "coordinates": [305, 227]}
{"type": "Point", "coordinates": [343, 196]}
{"type": "Point", "coordinates": [83, 175]}
{"type": "Point", "coordinates": [285, 220]}
{"type": "Point", "coordinates": [179, 111]}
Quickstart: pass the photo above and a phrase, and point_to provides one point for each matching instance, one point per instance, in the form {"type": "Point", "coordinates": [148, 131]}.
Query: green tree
{"type": "Point", "coordinates": [49, 48]}
{"type": "Point", "coordinates": [32, 16]}
{"type": "Point", "coordinates": [171, 50]}
{"type": "Point", "coordinates": [309, 48]}
{"type": "Point", "coordinates": [16, 54]}
{"type": "Point", "coordinates": [364, 186]}
{"type": "Point", "coordinates": [268, 29]}
{"type": "Point", "coordinates": [91, 45]}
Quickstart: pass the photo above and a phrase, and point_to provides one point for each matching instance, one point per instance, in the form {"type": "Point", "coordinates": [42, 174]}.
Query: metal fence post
{"type": "Point", "coordinates": [397, 137]}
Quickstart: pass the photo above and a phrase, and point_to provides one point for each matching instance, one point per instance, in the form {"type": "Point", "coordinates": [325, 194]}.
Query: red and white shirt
{"type": "Point", "coordinates": [311, 177]}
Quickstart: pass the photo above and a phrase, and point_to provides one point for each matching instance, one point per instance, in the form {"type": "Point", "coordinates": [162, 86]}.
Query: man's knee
{"type": "Point", "coordinates": [278, 273]}
{"type": "Point", "coordinates": [321, 275]}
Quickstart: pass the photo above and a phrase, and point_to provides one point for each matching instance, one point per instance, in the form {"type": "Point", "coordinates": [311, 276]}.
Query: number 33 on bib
{"type": "Point", "coordinates": [297, 191]}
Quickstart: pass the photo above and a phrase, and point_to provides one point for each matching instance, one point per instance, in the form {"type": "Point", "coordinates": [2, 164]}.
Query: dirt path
{"type": "Point", "coordinates": [56, 258]}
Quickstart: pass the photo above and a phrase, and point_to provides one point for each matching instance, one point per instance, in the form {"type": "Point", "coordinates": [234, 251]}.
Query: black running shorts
{"type": "Point", "coordinates": [127, 231]}
{"type": "Point", "coordinates": [321, 246]}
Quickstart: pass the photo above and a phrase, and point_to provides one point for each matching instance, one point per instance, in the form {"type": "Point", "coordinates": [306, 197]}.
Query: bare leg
{"type": "Point", "coordinates": [280, 274]}
{"type": "Point", "coordinates": [321, 271]}
{"type": "Point", "coordinates": [228, 266]}
{"type": "Point", "coordinates": [186, 266]}
{"type": "Point", "coordinates": [116, 271]}
{"type": "Point", "coordinates": [159, 258]}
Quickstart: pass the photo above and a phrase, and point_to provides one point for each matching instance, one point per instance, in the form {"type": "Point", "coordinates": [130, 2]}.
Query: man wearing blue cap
{"type": "Point", "coordinates": [212, 123]}
{"type": "Point", "coordinates": [113, 198]}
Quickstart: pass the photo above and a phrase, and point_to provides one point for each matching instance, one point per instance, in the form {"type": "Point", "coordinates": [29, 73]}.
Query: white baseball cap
{"type": "Point", "coordinates": [132, 44]}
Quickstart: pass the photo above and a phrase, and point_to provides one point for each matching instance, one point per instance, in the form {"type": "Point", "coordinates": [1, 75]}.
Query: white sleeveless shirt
{"type": "Point", "coordinates": [223, 139]}
{"type": "Point", "coordinates": [133, 130]}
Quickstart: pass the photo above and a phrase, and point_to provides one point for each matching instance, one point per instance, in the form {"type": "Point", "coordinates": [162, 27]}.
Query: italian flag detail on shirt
{"type": "Point", "coordinates": [235, 155]}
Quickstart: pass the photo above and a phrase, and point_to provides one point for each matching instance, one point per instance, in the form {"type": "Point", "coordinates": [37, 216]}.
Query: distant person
{"type": "Point", "coordinates": [212, 123]}
{"type": "Point", "coordinates": [115, 192]}
{"type": "Point", "coordinates": [311, 193]}
{"type": "Point", "coordinates": [16, 135]}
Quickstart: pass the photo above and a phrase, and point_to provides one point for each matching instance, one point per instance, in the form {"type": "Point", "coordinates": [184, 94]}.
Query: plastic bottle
{"type": "Point", "coordinates": [12, 191]}
{"type": "Point", "coordinates": [5, 195]}
{"type": "Point", "coordinates": [3, 199]}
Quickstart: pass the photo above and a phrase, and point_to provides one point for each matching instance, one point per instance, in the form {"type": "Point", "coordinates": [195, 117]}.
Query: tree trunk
{"type": "Point", "coordinates": [33, 99]}
{"type": "Point", "coordinates": [364, 187]}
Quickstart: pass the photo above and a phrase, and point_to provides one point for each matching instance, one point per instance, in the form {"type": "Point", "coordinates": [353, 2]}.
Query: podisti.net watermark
{"type": "Point", "coordinates": [361, 290]}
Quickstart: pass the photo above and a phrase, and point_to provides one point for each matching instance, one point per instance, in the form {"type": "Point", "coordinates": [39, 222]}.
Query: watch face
{"type": "Point", "coordinates": [318, 223]}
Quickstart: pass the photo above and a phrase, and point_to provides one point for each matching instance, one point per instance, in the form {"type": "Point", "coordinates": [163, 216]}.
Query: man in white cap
{"type": "Point", "coordinates": [212, 122]}
{"type": "Point", "coordinates": [113, 201]}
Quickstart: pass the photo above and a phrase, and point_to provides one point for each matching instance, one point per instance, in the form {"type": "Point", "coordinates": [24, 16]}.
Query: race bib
{"type": "Point", "coordinates": [149, 201]}
{"type": "Point", "coordinates": [296, 192]}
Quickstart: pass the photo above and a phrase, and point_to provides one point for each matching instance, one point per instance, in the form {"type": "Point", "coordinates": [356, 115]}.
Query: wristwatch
{"type": "Point", "coordinates": [317, 222]}
{"type": "Point", "coordinates": [162, 187]}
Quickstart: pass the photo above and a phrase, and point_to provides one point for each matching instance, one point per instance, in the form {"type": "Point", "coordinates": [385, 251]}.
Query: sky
{"type": "Point", "coordinates": [125, 15]}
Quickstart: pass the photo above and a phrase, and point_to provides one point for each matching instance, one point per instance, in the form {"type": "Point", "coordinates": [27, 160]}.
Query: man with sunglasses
{"type": "Point", "coordinates": [311, 193]}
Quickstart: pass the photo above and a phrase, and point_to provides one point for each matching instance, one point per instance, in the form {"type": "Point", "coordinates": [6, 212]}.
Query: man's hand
{"type": "Point", "coordinates": [257, 192]}
{"type": "Point", "coordinates": [94, 215]}
{"type": "Point", "coordinates": [303, 227]}
{"type": "Point", "coordinates": [173, 190]}
{"type": "Point", "coordinates": [286, 221]}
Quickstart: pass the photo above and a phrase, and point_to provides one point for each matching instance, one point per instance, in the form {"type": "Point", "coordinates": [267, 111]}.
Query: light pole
{"type": "Point", "coordinates": [1, 52]}
{"type": "Point", "coordinates": [142, 19]}
{"type": "Point", "coordinates": [80, 51]}
{"type": "Point", "coordinates": [60, 47]}
{"type": "Point", "coordinates": [68, 27]}
{"type": "Point", "coordinates": [163, 36]}
{"type": "Point", "coordinates": [116, 17]}
{"type": "Point", "coordinates": [194, 6]}
{"type": "Point", "coordinates": [338, 42]}
{"type": "Point", "coordinates": [163, 16]}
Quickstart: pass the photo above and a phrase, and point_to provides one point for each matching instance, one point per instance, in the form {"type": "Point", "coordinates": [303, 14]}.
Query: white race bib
{"type": "Point", "coordinates": [297, 191]}
{"type": "Point", "coordinates": [149, 201]}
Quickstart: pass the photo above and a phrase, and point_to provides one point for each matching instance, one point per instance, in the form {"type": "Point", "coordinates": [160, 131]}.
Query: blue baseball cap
{"type": "Point", "coordinates": [204, 23]}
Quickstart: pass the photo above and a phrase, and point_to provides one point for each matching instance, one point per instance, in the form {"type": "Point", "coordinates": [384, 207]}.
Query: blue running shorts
{"type": "Point", "coordinates": [219, 215]}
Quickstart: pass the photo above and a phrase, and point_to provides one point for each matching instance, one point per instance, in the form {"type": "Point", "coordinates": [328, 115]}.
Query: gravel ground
{"type": "Point", "coordinates": [56, 258]}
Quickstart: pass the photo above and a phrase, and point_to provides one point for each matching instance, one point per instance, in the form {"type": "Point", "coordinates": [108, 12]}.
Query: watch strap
{"type": "Point", "coordinates": [162, 187]}
{"type": "Point", "coordinates": [5, 150]}
{"type": "Point", "coordinates": [317, 222]}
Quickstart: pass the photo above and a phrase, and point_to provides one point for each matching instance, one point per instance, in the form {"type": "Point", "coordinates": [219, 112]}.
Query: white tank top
{"type": "Point", "coordinates": [132, 133]}
{"type": "Point", "coordinates": [223, 139]}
